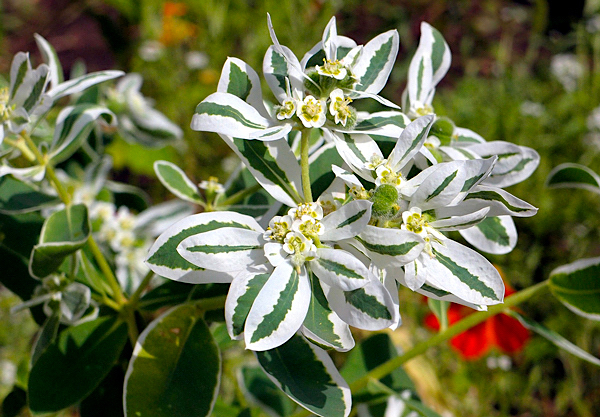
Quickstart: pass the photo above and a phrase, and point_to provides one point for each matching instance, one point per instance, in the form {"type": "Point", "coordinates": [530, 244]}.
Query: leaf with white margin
{"type": "Point", "coordinates": [244, 289]}
{"type": "Point", "coordinates": [164, 376]}
{"type": "Point", "coordinates": [279, 309]}
{"type": "Point", "coordinates": [515, 163]}
{"type": "Point", "coordinates": [322, 325]}
{"type": "Point", "coordinates": [82, 83]}
{"type": "Point", "coordinates": [577, 286]}
{"type": "Point", "coordinates": [164, 260]}
{"type": "Point", "coordinates": [369, 308]}
{"type": "Point", "coordinates": [466, 137]}
{"type": "Point", "coordinates": [51, 59]}
{"type": "Point", "coordinates": [571, 175]}
{"type": "Point", "coordinates": [496, 235]}
{"type": "Point", "coordinates": [308, 376]}
{"type": "Point", "coordinates": [375, 62]}
{"type": "Point", "coordinates": [261, 391]}
{"type": "Point", "coordinates": [347, 221]}
{"type": "Point", "coordinates": [273, 165]}
{"type": "Point", "coordinates": [19, 68]}
{"type": "Point", "coordinates": [463, 272]}
{"type": "Point", "coordinates": [356, 150]}
{"type": "Point", "coordinates": [229, 115]}
{"type": "Point", "coordinates": [239, 79]}
{"type": "Point", "coordinates": [226, 249]}
{"type": "Point", "coordinates": [385, 123]}
{"type": "Point", "coordinates": [349, 178]}
{"type": "Point", "coordinates": [555, 338]}
{"type": "Point", "coordinates": [385, 246]}
{"type": "Point", "coordinates": [21, 197]}
{"type": "Point", "coordinates": [415, 274]}
{"type": "Point", "coordinates": [276, 70]}
{"type": "Point", "coordinates": [356, 94]}
{"type": "Point", "coordinates": [176, 181]}
{"type": "Point", "coordinates": [73, 126]}
{"type": "Point", "coordinates": [459, 222]}
{"type": "Point", "coordinates": [340, 269]}
{"type": "Point", "coordinates": [329, 40]}
{"type": "Point", "coordinates": [500, 202]}
{"type": "Point", "coordinates": [27, 85]}
{"type": "Point", "coordinates": [410, 141]}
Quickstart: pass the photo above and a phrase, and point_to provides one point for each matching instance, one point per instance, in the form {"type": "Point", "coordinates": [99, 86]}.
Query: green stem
{"type": "Point", "coordinates": [107, 271]}
{"type": "Point", "coordinates": [240, 195]}
{"type": "Point", "coordinates": [135, 297]}
{"type": "Point", "coordinates": [304, 145]}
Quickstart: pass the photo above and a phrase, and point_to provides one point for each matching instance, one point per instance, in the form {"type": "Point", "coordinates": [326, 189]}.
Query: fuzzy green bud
{"type": "Point", "coordinates": [385, 202]}
{"type": "Point", "coordinates": [443, 129]}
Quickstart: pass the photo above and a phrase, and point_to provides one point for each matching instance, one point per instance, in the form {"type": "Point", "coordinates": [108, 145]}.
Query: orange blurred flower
{"type": "Point", "coordinates": [501, 331]}
{"type": "Point", "coordinates": [175, 30]}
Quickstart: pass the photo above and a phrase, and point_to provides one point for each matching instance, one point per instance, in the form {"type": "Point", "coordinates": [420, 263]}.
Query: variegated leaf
{"type": "Point", "coordinates": [385, 123]}
{"type": "Point", "coordinates": [357, 150]}
{"type": "Point", "coordinates": [279, 309]}
{"type": "Point", "coordinates": [340, 269]}
{"type": "Point", "coordinates": [73, 125]}
{"type": "Point", "coordinates": [244, 289]}
{"type": "Point", "coordinates": [463, 272]}
{"type": "Point", "coordinates": [497, 235]}
{"type": "Point", "coordinates": [500, 202]}
{"type": "Point", "coordinates": [577, 286]}
{"type": "Point", "coordinates": [459, 222]}
{"type": "Point", "coordinates": [176, 181]}
{"type": "Point", "coordinates": [82, 83]}
{"type": "Point", "coordinates": [273, 165]}
{"type": "Point", "coordinates": [229, 115]}
{"type": "Point", "coordinates": [164, 260]}
{"type": "Point", "coordinates": [227, 249]}
{"type": "Point", "coordinates": [410, 141]}
{"type": "Point", "coordinates": [393, 247]}
{"type": "Point", "coordinates": [376, 61]}
{"type": "Point", "coordinates": [239, 79]}
{"type": "Point", "coordinates": [308, 376]}
{"type": "Point", "coordinates": [322, 325]}
{"type": "Point", "coordinates": [51, 58]}
{"type": "Point", "coordinates": [347, 221]}
{"type": "Point", "coordinates": [329, 40]}
{"type": "Point", "coordinates": [466, 137]}
{"type": "Point", "coordinates": [21, 197]}
{"type": "Point", "coordinates": [573, 176]}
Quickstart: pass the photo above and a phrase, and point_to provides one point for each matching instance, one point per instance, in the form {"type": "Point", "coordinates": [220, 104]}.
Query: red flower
{"type": "Point", "coordinates": [501, 331]}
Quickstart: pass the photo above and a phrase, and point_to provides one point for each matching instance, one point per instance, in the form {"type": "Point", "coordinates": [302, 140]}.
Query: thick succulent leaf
{"type": "Point", "coordinates": [244, 289]}
{"type": "Point", "coordinates": [463, 272]}
{"type": "Point", "coordinates": [357, 150]}
{"type": "Point", "coordinates": [376, 61]}
{"type": "Point", "coordinates": [239, 79]}
{"type": "Point", "coordinates": [370, 307]}
{"type": "Point", "coordinates": [555, 338]}
{"type": "Point", "coordinates": [229, 115]}
{"type": "Point", "coordinates": [515, 163]}
{"type": "Point", "coordinates": [20, 197]}
{"type": "Point", "coordinates": [577, 285]}
{"type": "Point", "coordinates": [176, 181]}
{"type": "Point", "coordinates": [573, 176]}
{"type": "Point", "coordinates": [496, 235]}
{"type": "Point", "coordinates": [339, 268]}
{"type": "Point", "coordinates": [51, 59]}
{"type": "Point", "coordinates": [260, 390]}
{"type": "Point", "coordinates": [63, 233]}
{"type": "Point", "coordinates": [385, 123]}
{"type": "Point", "coordinates": [279, 309]}
{"type": "Point", "coordinates": [308, 376]}
{"type": "Point", "coordinates": [82, 83]}
{"type": "Point", "coordinates": [227, 249]}
{"type": "Point", "coordinates": [347, 221]}
{"type": "Point", "coordinates": [164, 260]}
{"type": "Point", "coordinates": [165, 376]}
{"type": "Point", "coordinates": [410, 141]}
{"type": "Point", "coordinates": [73, 126]}
{"type": "Point", "coordinates": [273, 165]}
{"type": "Point", "coordinates": [499, 201]}
{"type": "Point", "coordinates": [394, 247]}
{"type": "Point", "coordinates": [71, 367]}
{"type": "Point", "coordinates": [322, 325]}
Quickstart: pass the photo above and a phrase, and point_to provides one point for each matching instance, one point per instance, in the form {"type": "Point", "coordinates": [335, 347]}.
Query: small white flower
{"type": "Point", "coordinates": [418, 109]}
{"type": "Point", "coordinates": [531, 108]}
{"type": "Point", "coordinates": [313, 210]}
{"type": "Point", "coordinates": [414, 221]}
{"type": "Point", "coordinates": [387, 175]}
{"type": "Point", "coordinates": [287, 109]}
{"type": "Point", "coordinates": [196, 60]}
{"type": "Point", "coordinates": [311, 112]}
{"type": "Point", "coordinates": [339, 107]}
{"type": "Point", "coordinates": [567, 69]}
{"type": "Point", "coordinates": [593, 120]}
{"type": "Point", "coordinates": [151, 51]}
{"type": "Point", "coordinates": [212, 186]}
{"type": "Point", "coordinates": [334, 69]}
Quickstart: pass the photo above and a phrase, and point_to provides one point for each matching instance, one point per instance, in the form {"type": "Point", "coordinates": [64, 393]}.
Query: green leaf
{"type": "Point", "coordinates": [64, 232]}
{"type": "Point", "coordinates": [73, 366]}
{"type": "Point", "coordinates": [555, 338]}
{"type": "Point", "coordinates": [440, 309]}
{"type": "Point", "coordinates": [14, 402]}
{"type": "Point", "coordinates": [19, 197]}
{"type": "Point", "coordinates": [577, 285]}
{"type": "Point", "coordinates": [107, 399]}
{"type": "Point", "coordinates": [573, 176]}
{"type": "Point", "coordinates": [82, 83]}
{"type": "Point", "coordinates": [47, 336]}
{"type": "Point", "coordinates": [262, 391]}
{"type": "Point", "coordinates": [172, 292]}
{"type": "Point", "coordinates": [20, 232]}
{"type": "Point", "coordinates": [321, 175]}
{"type": "Point", "coordinates": [308, 376]}
{"type": "Point", "coordinates": [177, 182]}
{"type": "Point", "coordinates": [175, 369]}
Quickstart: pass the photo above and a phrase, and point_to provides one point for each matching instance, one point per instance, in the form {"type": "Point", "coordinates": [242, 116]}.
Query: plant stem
{"type": "Point", "coordinates": [239, 196]}
{"type": "Point", "coordinates": [135, 297]}
{"type": "Point", "coordinates": [107, 271]}
{"type": "Point", "coordinates": [304, 145]}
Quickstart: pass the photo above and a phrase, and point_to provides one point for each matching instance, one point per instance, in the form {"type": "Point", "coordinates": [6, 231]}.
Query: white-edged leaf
{"type": "Point", "coordinates": [51, 59]}
{"type": "Point", "coordinates": [82, 83]}
{"type": "Point", "coordinates": [357, 150]}
{"type": "Point", "coordinates": [376, 61]}
{"type": "Point", "coordinates": [386, 123]}
{"type": "Point", "coordinates": [229, 115]}
{"type": "Point", "coordinates": [277, 70]}
{"type": "Point", "coordinates": [500, 202]}
{"type": "Point", "coordinates": [385, 246]}
{"type": "Point", "coordinates": [279, 309]}
{"type": "Point", "coordinates": [340, 269]}
{"type": "Point", "coordinates": [496, 235]}
{"type": "Point", "coordinates": [308, 376]}
{"type": "Point", "coordinates": [347, 221]}
{"type": "Point", "coordinates": [577, 286]}
{"type": "Point", "coordinates": [176, 181]}
{"type": "Point", "coordinates": [571, 175]}
{"type": "Point", "coordinates": [459, 222]}
{"type": "Point", "coordinates": [164, 260]}
{"type": "Point", "coordinates": [239, 79]}
{"type": "Point", "coordinates": [466, 137]}
{"type": "Point", "coordinates": [410, 141]}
